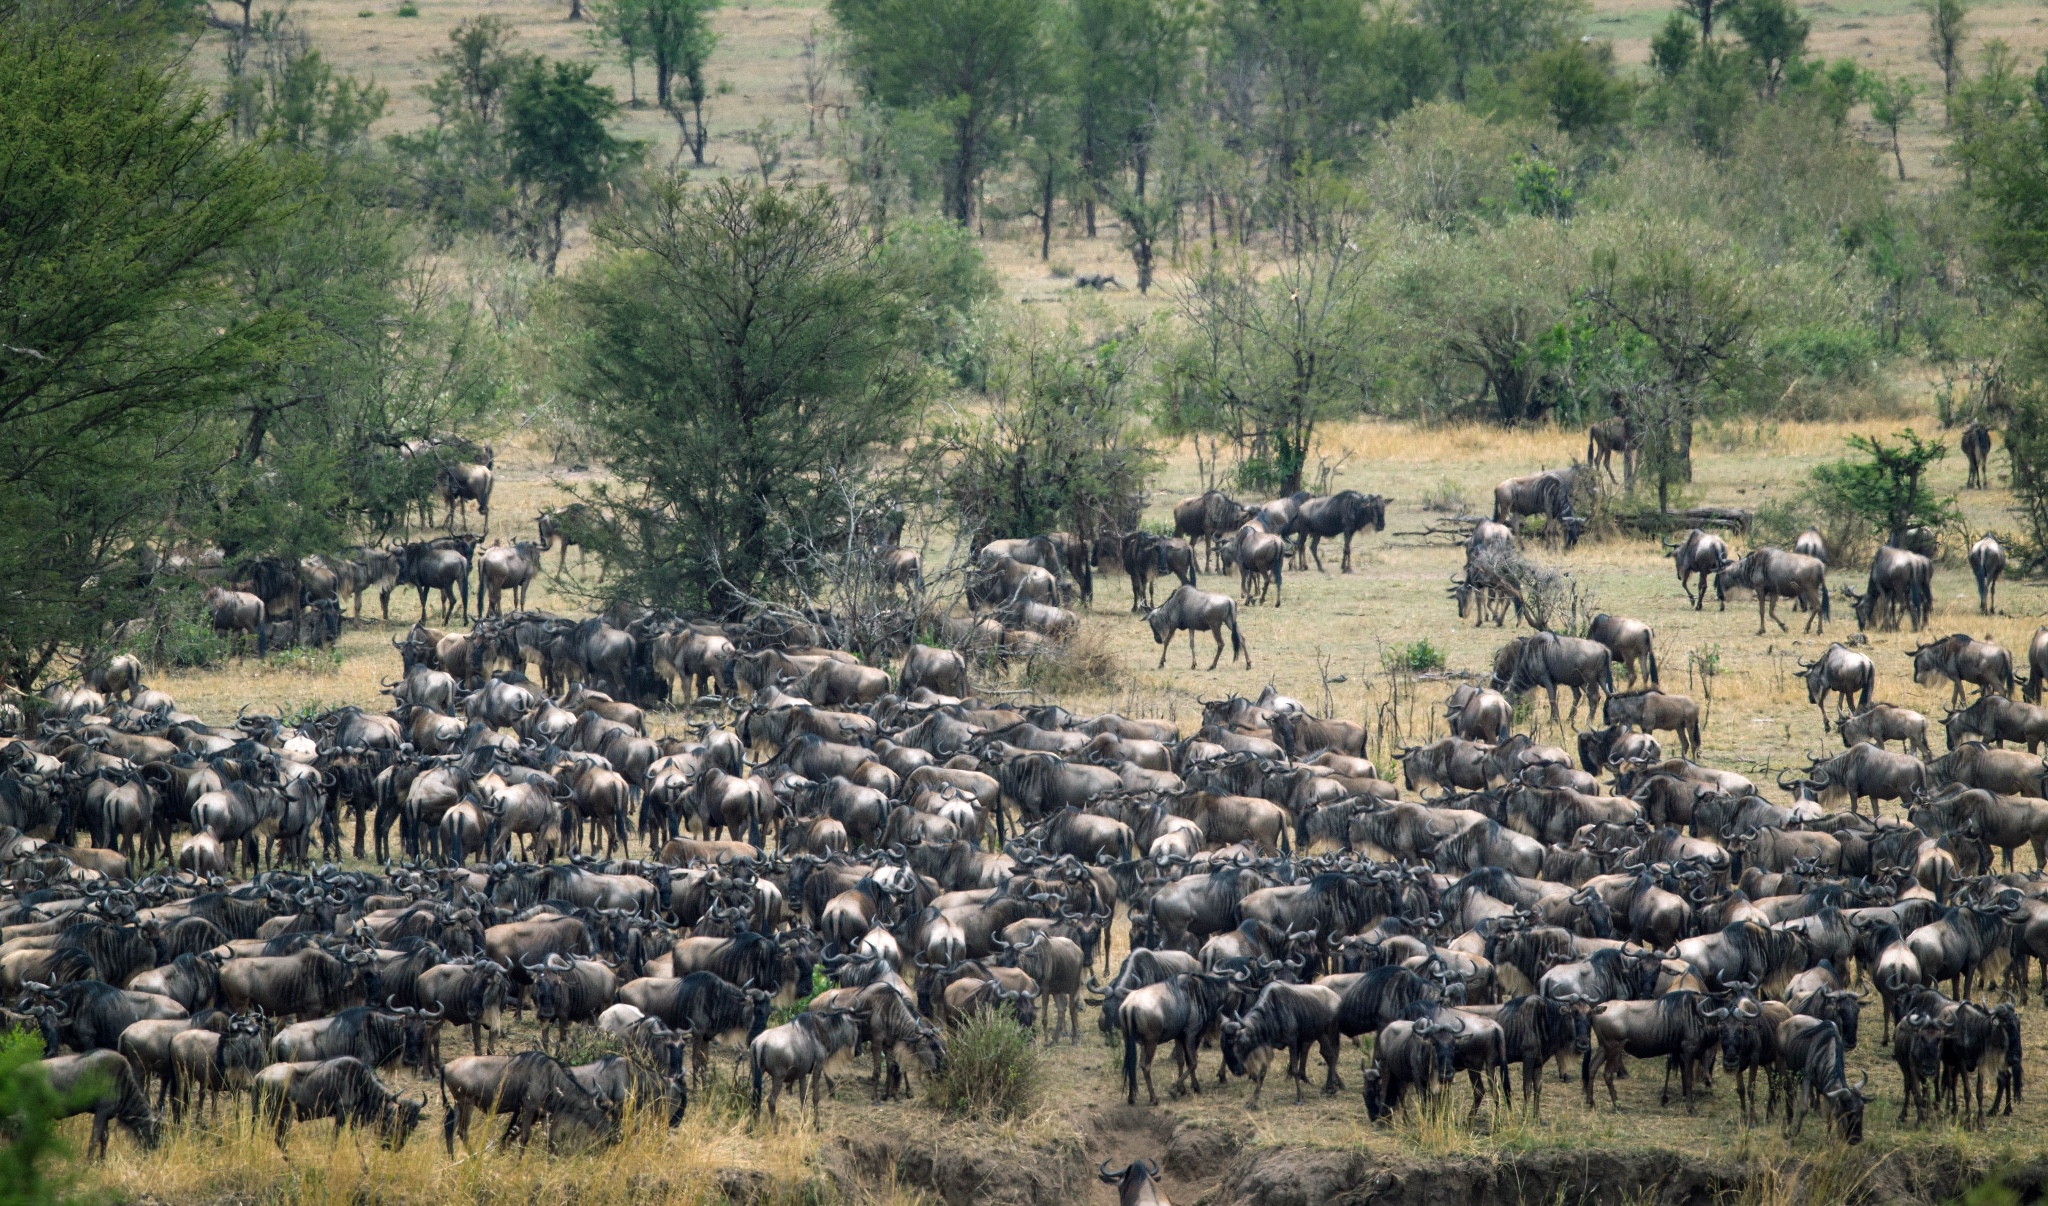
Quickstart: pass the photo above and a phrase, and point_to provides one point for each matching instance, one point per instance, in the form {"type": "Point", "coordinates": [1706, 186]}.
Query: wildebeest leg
{"type": "Point", "coordinates": [1166, 645]}
{"type": "Point", "coordinates": [1216, 632]}
{"type": "Point", "coordinates": [1551, 691]}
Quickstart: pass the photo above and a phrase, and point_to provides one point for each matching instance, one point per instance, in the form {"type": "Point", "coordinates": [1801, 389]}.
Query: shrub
{"type": "Point", "coordinates": [306, 660]}
{"type": "Point", "coordinates": [1415, 658]}
{"type": "Point", "coordinates": [177, 632]}
{"type": "Point", "coordinates": [1829, 351]}
{"type": "Point", "coordinates": [992, 1070]}
{"type": "Point", "coordinates": [1446, 496]}
{"type": "Point", "coordinates": [1085, 663]}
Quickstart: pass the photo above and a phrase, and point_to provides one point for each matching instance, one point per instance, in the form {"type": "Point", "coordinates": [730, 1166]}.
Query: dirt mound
{"type": "Point", "coordinates": [973, 1171]}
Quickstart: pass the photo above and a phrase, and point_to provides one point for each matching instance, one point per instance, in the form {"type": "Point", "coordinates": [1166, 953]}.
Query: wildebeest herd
{"type": "Point", "coordinates": [1255, 887]}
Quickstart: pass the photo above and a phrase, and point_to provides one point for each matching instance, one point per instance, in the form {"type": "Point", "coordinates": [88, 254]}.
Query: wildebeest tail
{"type": "Point", "coordinates": [1650, 655]}
{"type": "Point", "coordinates": [1130, 1065]}
{"type": "Point", "coordinates": [754, 1064]}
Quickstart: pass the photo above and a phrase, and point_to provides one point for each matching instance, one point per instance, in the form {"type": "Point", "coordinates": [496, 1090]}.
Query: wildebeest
{"type": "Point", "coordinates": [1842, 672]}
{"type": "Point", "coordinates": [1289, 1016]}
{"type": "Point", "coordinates": [240, 613]}
{"type": "Point", "coordinates": [2037, 664]}
{"type": "Point", "coordinates": [1260, 557]}
{"type": "Point", "coordinates": [1631, 641]}
{"type": "Point", "coordinates": [1548, 494]}
{"type": "Point", "coordinates": [1976, 443]}
{"type": "Point", "coordinates": [1811, 544]}
{"type": "Point", "coordinates": [463, 483]}
{"type": "Point", "coordinates": [1813, 1051]}
{"type": "Point", "coordinates": [1882, 722]}
{"type": "Point", "coordinates": [118, 1099]}
{"type": "Point", "coordinates": [574, 524]}
{"type": "Point", "coordinates": [1961, 658]}
{"type": "Point", "coordinates": [1650, 710]}
{"type": "Point", "coordinates": [1342, 514]}
{"type": "Point", "coordinates": [1191, 610]}
{"type": "Point", "coordinates": [530, 1086]}
{"type": "Point", "coordinates": [1773, 574]}
{"type": "Point", "coordinates": [1607, 437]}
{"type": "Point", "coordinates": [1137, 1183]}
{"type": "Point", "coordinates": [799, 1052]}
{"type": "Point", "coordinates": [1900, 581]}
{"type": "Point", "coordinates": [502, 569]}
{"type": "Point", "coordinates": [1674, 1025]}
{"type": "Point", "coordinates": [1702, 553]}
{"type": "Point", "coordinates": [1184, 1011]}
{"type": "Point", "coordinates": [1865, 770]}
{"type": "Point", "coordinates": [1987, 562]}
{"type": "Point", "coordinates": [1550, 661]}
{"type": "Point", "coordinates": [436, 565]}
{"type": "Point", "coordinates": [1209, 517]}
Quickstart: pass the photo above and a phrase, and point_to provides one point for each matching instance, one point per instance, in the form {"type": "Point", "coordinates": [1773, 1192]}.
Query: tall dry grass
{"type": "Point", "coordinates": [705, 1160]}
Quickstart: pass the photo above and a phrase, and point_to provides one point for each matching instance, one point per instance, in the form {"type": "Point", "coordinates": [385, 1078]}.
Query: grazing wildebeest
{"type": "Point", "coordinates": [1977, 450]}
{"type": "Point", "coordinates": [1196, 611]}
{"type": "Point", "coordinates": [1842, 672]}
{"type": "Point", "coordinates": [1882, 722]}
{"type": "Point", "coordinates": [1701, 553]}
{"type": "Point", "coordinates": [1774, 574]}
{"type": "Point", "coordinates": [1259, 557]}
{"type": "Point", "coordinates": [512, 569]}
{"type": "Point", "coordinates": [1814, 1051]}
{"type": "Point", "coordinates": [1207, 517]}
{"type": "Point", "coordinates": [1342, 514]}
{"type": "Point", "coordinates": [1650, 710]}
{"type": "Point", "coordinates": [1631, 641]}
{"type": "Point", "coordinates": [1961, 658]}
{"type": "Point", "coordinates": [1607, 437]}
{"type": "Point", "coordinates": [119, 1096]}
{"type": "Point", "coordinates": [1987, 562]}
{"type": "Point", "coordinates": [1900, 580]}
{"type": "Point", "coordinates": [239, 613]}
{"type": "Point", "coordinates": [529, 1086]}
{"type": "Point", "coordinates": [463, 483]}
{"type": "Point", "coordinates": [1550, 661]}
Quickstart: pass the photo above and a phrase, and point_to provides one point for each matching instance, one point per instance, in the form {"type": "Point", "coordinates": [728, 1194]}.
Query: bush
{"type": "Point", "coordinates": [177, 632]}
{"type": "Point", "coordinates": [1828, 351]}
{"type": "Point", "coordinates": [1084, 663]}
{"type": "Point", "coordinates": [1415, 658]}
{"type": "Point", "coordinates": [992, 1070]}
{"type": "Point", "coordinates": [306, 660]}
{"type": "Point", "coordinates": [1446, 496]}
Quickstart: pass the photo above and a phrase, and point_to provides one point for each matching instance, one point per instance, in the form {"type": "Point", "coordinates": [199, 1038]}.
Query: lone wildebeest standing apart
{"type": "Point", "coordinates": [239, 613]}
{"type": "Point", "coordinates": [1631, 641]}
{"type": "Point", "coordinates": [1977, 450]}
{"type": "Point", "coordinates": [1987, 561]}
{"type": "Point", "coordinates": [463, 483]}
{"type": "Point", "coordinates": [1774, 574]}
{"type": "Point", "coordinates": [1198, 611]}
{"type": "Point", "coordinates": [1701, 553]}
{"type": "Point", "coordinates": [1607, 437]}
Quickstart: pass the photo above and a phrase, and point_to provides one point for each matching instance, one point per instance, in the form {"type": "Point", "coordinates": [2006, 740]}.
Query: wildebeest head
{"type": "Point", "coordinates": [1847, 1103]}
{"type": "Point", "coordinates": [1442, 1037]}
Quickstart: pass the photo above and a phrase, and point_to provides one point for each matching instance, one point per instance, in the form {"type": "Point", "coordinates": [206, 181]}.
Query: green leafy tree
{"type": "Point", "coordinates": [1577, 87]}
{"type": "Point", "coordinates": [677, 39]}
{"type": "Point", "coordinates": [1129, 63]}
{"type": "Point", "coordinates": [1888, 486]}
{"type": "Point", "coordinates": [564, 155]}
{"type": "Point", "coordinates": [1891, 106]}
{"type": "Point", "coordinates": [1703, 13]}
{"type": "Point", "coordinates": [1948, 27]}
{"type": "Point", "coordinates": [972, 65]}
{"type": "Point", "coordinates": [744, 356]}
{"type": "Point", "coordinates": [1477, 34]}
{"type": "Point", "coordinates": [1275, 350]}
{"type": "Point", "coordinates": [1061, 444]}
{"type": "Point", "coordinates": [1672, 47]}
{"type": "Point", "coordinates": [456, 170]}
{"type": "Point", "coordinates": [121, 345]}
{"type": "Point", "coordinates": [1775, 33]}
{"type": "Point", "coordinates": [29, 1112]}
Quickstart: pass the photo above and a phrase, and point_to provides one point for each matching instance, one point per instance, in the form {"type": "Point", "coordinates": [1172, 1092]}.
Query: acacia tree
{"type": "Point", "coordinates": [743, 354]}
{"type": "Point", "coordinates": [1948, 26]}
{"type": "Point", "coordinates": [970, 65]}
{"type": "Point", "coordinates": [563, 153]}
{"type": "Point", "coordinates": [1889, 488]}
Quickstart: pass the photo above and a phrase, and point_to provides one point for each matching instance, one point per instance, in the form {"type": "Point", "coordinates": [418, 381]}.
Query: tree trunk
{"type": "Point", "coordinates": [1045, 216]}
